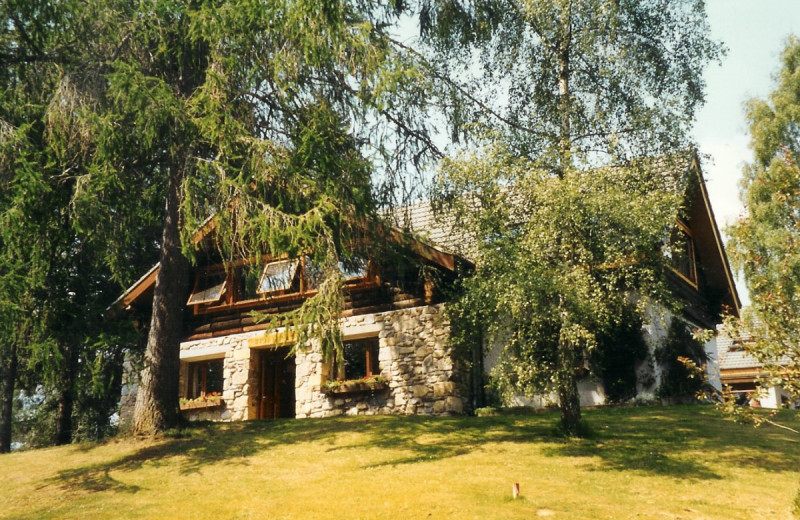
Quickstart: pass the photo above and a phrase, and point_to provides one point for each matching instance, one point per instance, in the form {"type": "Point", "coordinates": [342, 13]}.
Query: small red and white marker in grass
{"type": "Point", "coordinates": [515, 490]}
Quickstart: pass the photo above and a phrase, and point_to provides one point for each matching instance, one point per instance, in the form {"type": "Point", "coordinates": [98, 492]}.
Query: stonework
{"type": "Point", "coordinates": [239, 375]}
{"type": "Point", "coordinates": [413, 357]}
{"type": "Point", "coordinates": [422, 376]}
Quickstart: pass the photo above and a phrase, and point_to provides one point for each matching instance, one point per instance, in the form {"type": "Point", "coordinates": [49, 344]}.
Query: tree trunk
{"type": "Point", "coordinates": [9, 380]}
{"type": "Point", "coordinates": [157, 407]}
{"type": "Point", "coordinates": [64, 417]}
{"type": "Point", "coordinates": [66, 399]}
{"type": "Point", "coordinates": [564, 105]}
{"type": "Point", "coordinates": [568, 396]}
{"type": "Point", "coordinates": [570, 404]}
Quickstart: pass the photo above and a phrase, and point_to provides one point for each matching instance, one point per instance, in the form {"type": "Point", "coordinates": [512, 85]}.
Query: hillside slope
{"type": "Point", "coordinates": [678, 462]}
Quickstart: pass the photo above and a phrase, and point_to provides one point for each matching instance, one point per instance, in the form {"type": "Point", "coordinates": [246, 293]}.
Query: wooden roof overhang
{"type": "Point", "coordinates": [739, 375]}
{"type": "Point", "coordinates": [708, 242]}
{"type": "Point", "coordinates": [142, 289]}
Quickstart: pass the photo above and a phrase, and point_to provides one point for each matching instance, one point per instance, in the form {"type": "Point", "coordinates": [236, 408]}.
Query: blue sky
{"type": "Point", "coordinates": [755, 32]}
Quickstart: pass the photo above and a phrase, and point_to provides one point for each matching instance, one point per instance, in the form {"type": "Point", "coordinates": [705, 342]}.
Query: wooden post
{"type": "Point", "coordinates": [515, 490]}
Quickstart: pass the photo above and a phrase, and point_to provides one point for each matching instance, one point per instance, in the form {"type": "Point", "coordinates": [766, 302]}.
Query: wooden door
{"type": "Point", "coordinates": [276, 385]}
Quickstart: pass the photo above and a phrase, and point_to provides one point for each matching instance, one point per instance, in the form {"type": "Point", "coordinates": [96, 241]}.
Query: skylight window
{"type": "Point", "coordinates": [278, 276]}
{"type": "Point", "coordinates": [208, 288]}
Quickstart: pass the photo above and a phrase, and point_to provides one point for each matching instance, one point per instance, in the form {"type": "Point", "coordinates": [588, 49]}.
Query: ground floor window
{"type": "Point", "coordinates": [205, 377]}
{"type": "Point", "coordinates": [360, 360]}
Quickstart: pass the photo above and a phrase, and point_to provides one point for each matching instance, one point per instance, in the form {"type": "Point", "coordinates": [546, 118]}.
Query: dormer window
{"type": "Point", "coordinates": [208, 288]}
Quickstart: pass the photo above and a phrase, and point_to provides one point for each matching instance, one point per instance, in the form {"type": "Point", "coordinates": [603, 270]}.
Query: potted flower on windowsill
{"type": "Point", "coordinates": [352, 386]}
{"type": "Point", "coordinates": [209, 400]}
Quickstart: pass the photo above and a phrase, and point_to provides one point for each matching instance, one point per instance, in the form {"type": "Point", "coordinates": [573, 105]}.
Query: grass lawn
{"type": "Point", "coordinates": [649, 463]}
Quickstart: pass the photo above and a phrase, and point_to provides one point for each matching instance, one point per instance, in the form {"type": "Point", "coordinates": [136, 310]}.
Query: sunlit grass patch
{"type": "Point", "coordinates": [677, 462]}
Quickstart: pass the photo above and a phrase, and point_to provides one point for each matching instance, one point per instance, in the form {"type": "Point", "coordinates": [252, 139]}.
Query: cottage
{"type": "Point", "coordinates": [396, 354]}
{"type": "Point", "coordinates": [396, 358]}
{"type": "Point", "coordinates": [702, 278]}
{"type": "Point", "coordinates": [742, 373]}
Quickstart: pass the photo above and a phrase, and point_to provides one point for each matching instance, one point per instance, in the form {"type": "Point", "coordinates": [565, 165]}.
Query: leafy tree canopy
{"type": "Point", "coordinates": [765, 244]}
{"type": "Point", "coordinates": [567, 86]}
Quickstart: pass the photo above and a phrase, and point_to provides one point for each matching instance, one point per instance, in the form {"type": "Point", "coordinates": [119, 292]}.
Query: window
{"type": "Point", "coordinates": [278, 276]}
{"type": "Point", "coordinates": [205, 377]}
{"type": "Point", "coordinates": [360, 360]}
{"type": "Point", "coordinates": [682, 254]}
{"type": "Point", "coordinates": [208, 288]}
{"type": "Point", "coordinates": [247, 282]}
{"type": "Point", "coordinates": [353, 269]}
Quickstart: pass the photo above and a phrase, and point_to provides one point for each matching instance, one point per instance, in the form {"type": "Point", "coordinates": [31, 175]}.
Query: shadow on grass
{"type": "Point", "coordinates": [679, 442]}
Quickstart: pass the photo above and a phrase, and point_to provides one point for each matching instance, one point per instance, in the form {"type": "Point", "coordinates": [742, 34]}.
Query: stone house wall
{"type": "Point", "coordinates": [421, 372]}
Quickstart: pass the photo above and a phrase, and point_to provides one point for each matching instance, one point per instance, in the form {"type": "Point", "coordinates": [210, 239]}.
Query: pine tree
{"type": "Point", "coordinates": [213, 109]}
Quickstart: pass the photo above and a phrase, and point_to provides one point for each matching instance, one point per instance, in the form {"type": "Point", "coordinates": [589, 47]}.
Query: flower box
{"type": "Point", "coordinates": [353, 387]}
{"type": "Point", "coordinates": [208, 403]}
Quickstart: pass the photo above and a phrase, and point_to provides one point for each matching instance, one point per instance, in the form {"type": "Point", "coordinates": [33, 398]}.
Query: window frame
{"type": "Point", "coordinates": [204, 390]}
{"type": "Point", "coordinates": [223, 291]}
{"type": "Point", "coordinates": [371, 362]}
{"type": "Point", "coordinates": [690, 277]}
{"type": "Point", "coordinates": [294, 268]}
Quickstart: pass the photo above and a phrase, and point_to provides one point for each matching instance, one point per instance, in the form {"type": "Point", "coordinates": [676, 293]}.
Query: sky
{"type": "Point", "coordinates": [755, 33]}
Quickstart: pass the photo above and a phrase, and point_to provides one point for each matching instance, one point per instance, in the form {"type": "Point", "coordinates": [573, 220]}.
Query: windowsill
{"type": "Point", "coordinates": [353, 387]}
{"type": "Point", "coordinates": [683, 277]}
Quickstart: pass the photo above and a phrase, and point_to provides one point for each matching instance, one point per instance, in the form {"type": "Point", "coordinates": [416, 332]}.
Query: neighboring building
{"type": "Point", "coordinates": [397, 357]}
{"type": "Point", "coordinates": [741, 372]}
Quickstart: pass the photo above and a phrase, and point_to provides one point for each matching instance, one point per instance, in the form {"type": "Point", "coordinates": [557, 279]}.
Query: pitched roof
{"type": "Point", "coordinates": [440, 229]}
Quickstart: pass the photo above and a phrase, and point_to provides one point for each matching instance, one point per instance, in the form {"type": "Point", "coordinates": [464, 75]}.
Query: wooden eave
{"type": "Point", "coordinates": [712, 249]}
{"type": "Point", "coordinates": [739, 375]}
{"type": "Point", "coordinates": [146, 283]}
{"type": "Point", "coordinates": [141, 287]}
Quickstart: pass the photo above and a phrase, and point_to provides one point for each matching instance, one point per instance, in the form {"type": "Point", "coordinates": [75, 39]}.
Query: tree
{"type": "Point", "coordinates": [210, 108]}
{"type": "Point", "coordinates": [569, 85]}
{"type": "Point", "coordinates": [53, 281]}
{"type": "Point", "coordinates": [556, 266]}
{"type": "Point", "coordinates": [765, 244]}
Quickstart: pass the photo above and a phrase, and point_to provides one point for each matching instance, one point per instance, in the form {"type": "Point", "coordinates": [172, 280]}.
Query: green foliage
{"type": "Point", "coordinates": [677, 379]}
{"type": "Point", "coordinates": [576, 82]}
{"type": "Point", "coordinates": [557, 260]}
{"type": "Point", "coordinates": [561, 244]}
{"type": "Point", "coordinates": [765, 244]}
{"type": "Point", "coordinates": [272, 117]}
{"type": "Point", "coordinates": [621, 349]}
{"type": "Point", "coordinates": [53, 281]}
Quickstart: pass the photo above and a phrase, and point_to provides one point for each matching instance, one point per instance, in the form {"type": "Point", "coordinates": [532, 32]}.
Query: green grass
{"type": "Point", "coordinates": [678, 462]}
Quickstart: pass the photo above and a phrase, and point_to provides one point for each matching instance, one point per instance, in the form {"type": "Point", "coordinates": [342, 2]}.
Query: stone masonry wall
{"type": "Point", "coordinates": [413, 357]}
{"type": "Point", "coordinates": [238, 370]}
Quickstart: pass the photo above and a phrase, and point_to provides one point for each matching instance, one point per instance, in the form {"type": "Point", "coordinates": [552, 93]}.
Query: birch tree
{"type": "Point", "coordinates": [569, 86]}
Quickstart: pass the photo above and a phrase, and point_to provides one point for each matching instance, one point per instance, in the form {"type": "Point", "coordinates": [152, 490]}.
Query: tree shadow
{"type": "Point", "coordinates": [678, 442]}
{"type": "Point", "coordinates": [686, 438]}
